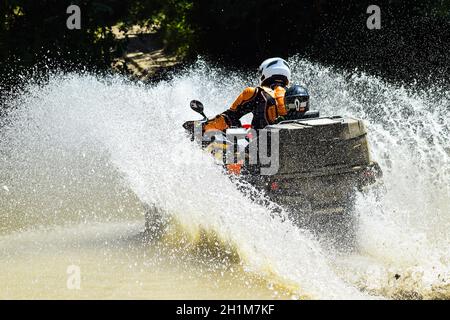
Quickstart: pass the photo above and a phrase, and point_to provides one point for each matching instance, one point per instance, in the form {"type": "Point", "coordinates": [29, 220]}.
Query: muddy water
{"type": "Point", "coordinates": [80, 155]}
{"type": "Point", "coordinates": [116, 261]}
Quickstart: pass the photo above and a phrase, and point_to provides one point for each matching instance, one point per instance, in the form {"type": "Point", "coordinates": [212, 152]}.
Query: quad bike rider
{"type": "Point", "coordinates": [265, 101]}
{"type": "Point", "coordinates": [323, 161]}
{"type": "Point", "coordinates": [271, 102]}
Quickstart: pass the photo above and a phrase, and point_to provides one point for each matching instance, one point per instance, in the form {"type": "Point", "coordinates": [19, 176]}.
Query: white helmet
{"type": "Point", "coordinates": [275, 67]}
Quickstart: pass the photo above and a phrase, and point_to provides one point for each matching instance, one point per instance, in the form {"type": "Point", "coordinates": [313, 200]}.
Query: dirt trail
{"type": "Point", "coordinates": [145, 55]}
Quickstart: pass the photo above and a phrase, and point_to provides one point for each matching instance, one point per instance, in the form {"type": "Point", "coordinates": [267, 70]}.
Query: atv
{"type": "Point", "coordinates": [321, 163]}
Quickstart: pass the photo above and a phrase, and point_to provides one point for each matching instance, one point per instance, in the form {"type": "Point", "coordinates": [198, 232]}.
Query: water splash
{"type": "Point", "coordinates": [83, 148]}
{"type": "Point", "coordinates": [404, 239]}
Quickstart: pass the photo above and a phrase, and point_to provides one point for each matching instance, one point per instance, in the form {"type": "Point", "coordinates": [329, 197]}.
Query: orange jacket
{"type": "Point", "coordinates": [265, 103]}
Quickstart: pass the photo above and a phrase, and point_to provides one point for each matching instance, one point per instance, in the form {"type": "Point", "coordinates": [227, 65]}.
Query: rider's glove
{"type": "Point", "coordinates": [279, 119]}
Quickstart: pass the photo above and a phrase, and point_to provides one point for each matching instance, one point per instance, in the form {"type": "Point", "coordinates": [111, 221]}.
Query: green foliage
{"type": "Point", "coordinates": [170, 16]}
{"type": "Point", "coordinates": [33, 34]}
{"type": "Point", "coordinates": [32, 29]}
{"type": "Point", "coordinates": [413, 42]}
{"type": "Point", "coordinates": [442, 8]}
{"type": "Point", "coordinates": [236, 31]}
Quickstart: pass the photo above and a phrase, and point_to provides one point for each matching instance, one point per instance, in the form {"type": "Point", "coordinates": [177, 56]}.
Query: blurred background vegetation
{"type": "Point", "coordinates": [413, 43]}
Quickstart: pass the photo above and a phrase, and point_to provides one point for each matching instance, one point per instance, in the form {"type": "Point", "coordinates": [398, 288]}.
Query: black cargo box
{"type": "Point", "coordinates": [309, 144]}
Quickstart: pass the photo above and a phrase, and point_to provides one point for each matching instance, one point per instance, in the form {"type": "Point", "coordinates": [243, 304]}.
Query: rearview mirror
{"type": "Point", "coordinates": [197, 106]}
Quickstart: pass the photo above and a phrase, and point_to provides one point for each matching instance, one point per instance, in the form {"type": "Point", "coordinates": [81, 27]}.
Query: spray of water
{"type": "Point", "coordinates": [87, 148]}
{"type": "Point", "coordinates": [404, 239]}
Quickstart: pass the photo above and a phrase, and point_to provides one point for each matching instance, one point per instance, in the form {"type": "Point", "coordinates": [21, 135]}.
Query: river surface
{"type": "Point", "coordinates": [80, 156]}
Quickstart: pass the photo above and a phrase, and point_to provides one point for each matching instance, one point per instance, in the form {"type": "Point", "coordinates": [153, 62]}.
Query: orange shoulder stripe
{"type": "Point", "coordinates": [246, 95]}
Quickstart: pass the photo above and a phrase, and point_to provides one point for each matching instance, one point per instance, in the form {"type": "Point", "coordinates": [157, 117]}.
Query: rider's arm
{"type": "Point", "coordinates": [240, 107]}
{"type": "Point", "coordinates": [279, 99]}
